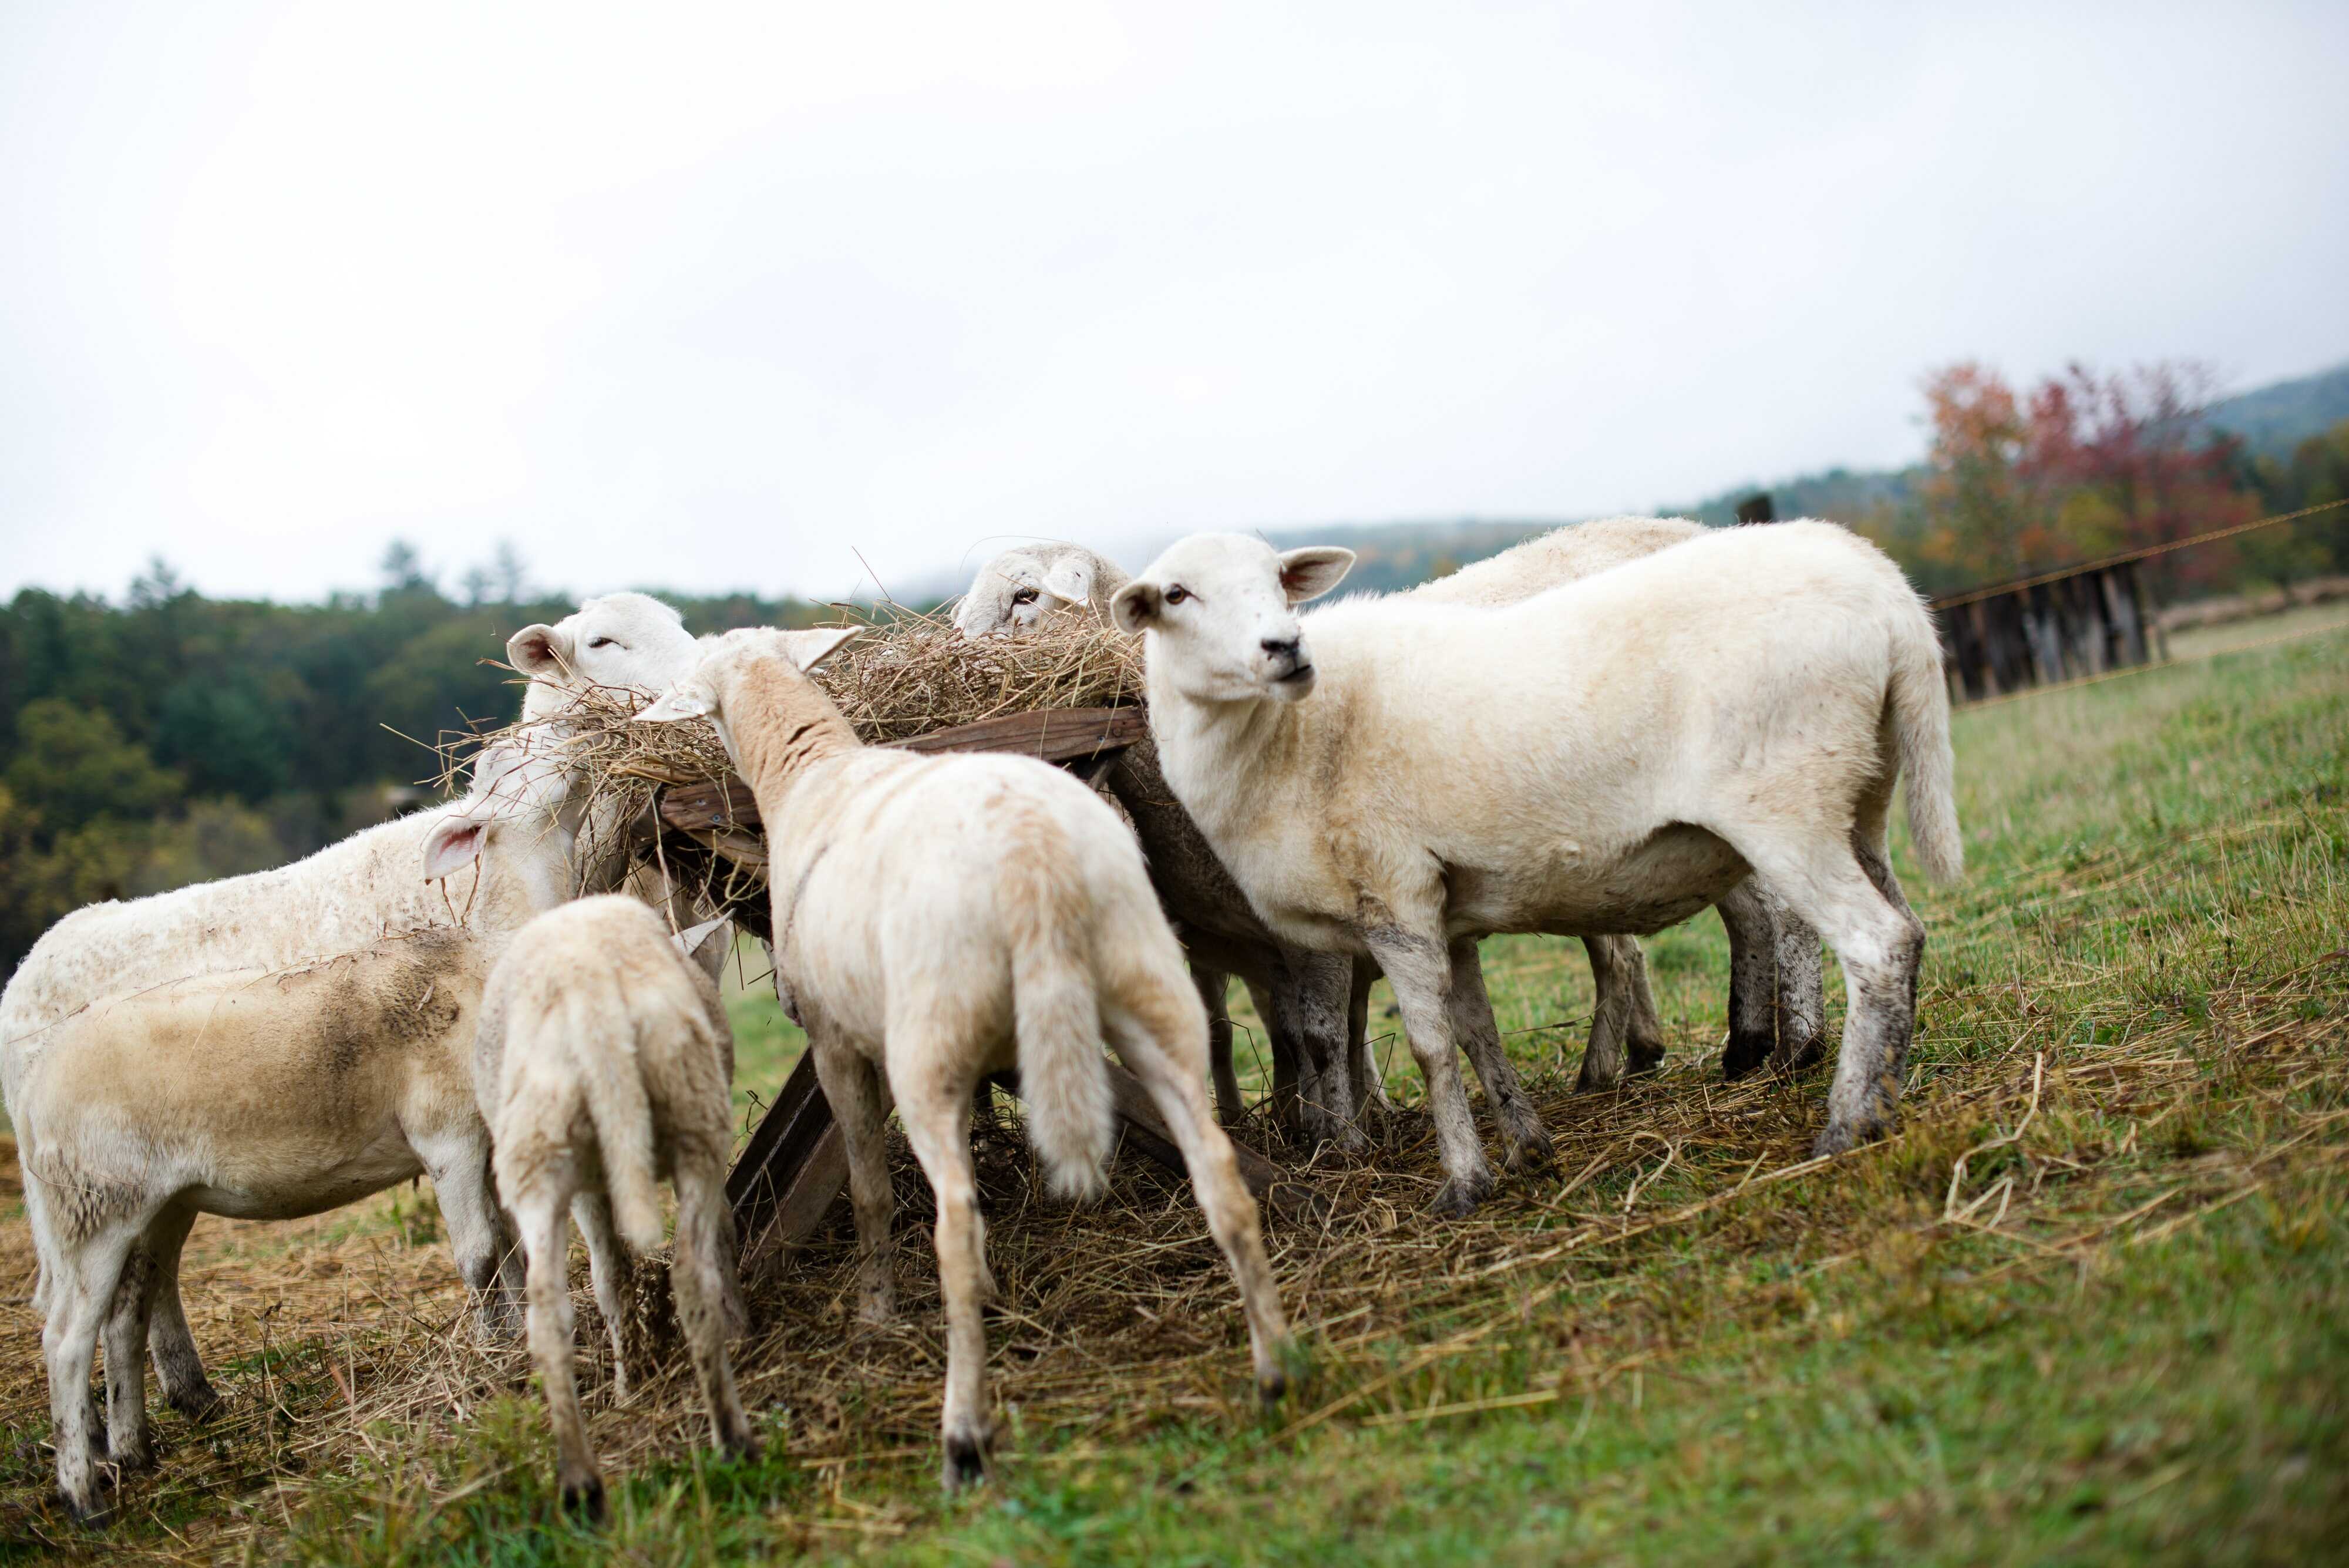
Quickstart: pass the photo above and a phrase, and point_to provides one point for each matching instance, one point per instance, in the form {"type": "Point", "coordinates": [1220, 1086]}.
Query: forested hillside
{"type": "Point", "coordinates": [169, 737]}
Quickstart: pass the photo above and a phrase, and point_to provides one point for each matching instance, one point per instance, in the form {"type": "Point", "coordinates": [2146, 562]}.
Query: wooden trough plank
{"type": "Point", "coordinates": [1053, 735]}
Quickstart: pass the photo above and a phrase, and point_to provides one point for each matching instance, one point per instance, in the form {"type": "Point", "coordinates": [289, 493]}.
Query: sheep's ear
{"type": "Point", "coordinates": [680, 702]}
{"type": "Point", "coordinates": [454, 843]}
{"type": "Point", "coordinates": [541, 652]}
{"type": "Point", "coordinates": [1070, 579]}
{"type": "Point", "coordinates": [810, 648]}
{"type": "Point", "coordinates": [690, 941]}
{"type": "Point", "coordinates": [1309, 573]}
{"type": "Point", "coordinates": [1135, 606]}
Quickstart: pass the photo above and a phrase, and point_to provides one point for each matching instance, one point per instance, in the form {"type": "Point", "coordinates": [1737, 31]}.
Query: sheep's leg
{"type": "Point", "coordinates": [1643, 1031]}
{"type": "Point", "coordinates": [1420, 973]}
{"type": "Point", "coordinates": [1522, 1133]}
{"type": "Point", "coordinates": [698, 1278]}
{"type": "Point", "coordinates": [127, 1443]}
{"type": "Point", "coordinates": [458, 1161]}
{"type": "Point", "coordinates": [1308, 1006]}
{"type": "Point", "coordinates": [511, 1289]}
{"type": "Point", "coordinates": [179, 1369]}
{"type": "Point", "coordinates": [1161, 1049]}
{"type": "Point", "coordinates": [1606, 1058]}
{"type": "Point", "coordinates": [1369, 1084]}
{"type": "Point", "coordinates": [1753, 927]}
{"type": "Point", "coordinates": [1215, 986]}
{"type": "Point", "coordinates": [1880, 944]}
{"type": "Point", "coordinates": [546, 1240]}
{"type": "Point", "coordinates": [945, 1153]}
{"type": "Point", "coordinates": [860, 1103]}
{"type": "Point", "coordinates": [84, 1280]}
{"type": "Point", "coordinates": [612, 1270]}
{"type": "Point", "coordinates": [1802, 993]}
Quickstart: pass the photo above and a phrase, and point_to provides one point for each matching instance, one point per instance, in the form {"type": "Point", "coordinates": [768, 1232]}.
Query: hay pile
{"type": "Point", "coordinates": [909, 674]}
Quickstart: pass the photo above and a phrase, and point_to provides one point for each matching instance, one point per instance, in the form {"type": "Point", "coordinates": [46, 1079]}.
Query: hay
{"type": "Point", "coordinates": [909, 674]}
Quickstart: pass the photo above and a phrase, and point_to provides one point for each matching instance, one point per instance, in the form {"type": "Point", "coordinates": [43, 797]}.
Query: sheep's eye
{"type": "Point", "coordinates": [599, 642]}
{"type": "Point", "coordinates": [1024, 597]}
{"type": "Point", "coordinates": [1177, 593]}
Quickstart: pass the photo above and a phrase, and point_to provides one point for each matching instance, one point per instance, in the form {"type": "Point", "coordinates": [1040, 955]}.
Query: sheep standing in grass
{"type": "Point", "coordinates": [509, 849]}
{"type": "Point", "coordinates": [256, 1094]}
{"type": "Point", "coordinates": [603, 1063]}
{"type": "Point", "coordinates": [1774, 1000]}
{"type": "Point", "coordinates": [1611, 755]}
{"type": "Point", "coordinates": [940, 918]}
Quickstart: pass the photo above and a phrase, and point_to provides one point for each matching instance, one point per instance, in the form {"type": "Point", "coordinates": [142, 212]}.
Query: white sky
{"type": "Point", "coordinates": [709, 296]}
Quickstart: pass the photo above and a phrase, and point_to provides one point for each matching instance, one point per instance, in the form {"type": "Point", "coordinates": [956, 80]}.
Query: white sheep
{"type": "Point", "coordinates": [256, 1094]}
{"type": "Point", "coordinates": [505, 851]}
{"type": "Point", "coordinates": [1610, 755]}
{"type": "Point", "coordinates": [620, 641]}
{"type": "Point", "coordinates": [1020, 586]}
{"type": "Point", "coordinates": [1775, 982]}
{"type": "Point", "coordinates": [940, 918]}
{"type": "Point", "coordinates": [604, 1063]}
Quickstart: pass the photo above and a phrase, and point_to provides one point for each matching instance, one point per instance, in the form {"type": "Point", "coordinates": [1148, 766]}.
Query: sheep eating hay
{"type": "Point", "coordinates": [906, 675]}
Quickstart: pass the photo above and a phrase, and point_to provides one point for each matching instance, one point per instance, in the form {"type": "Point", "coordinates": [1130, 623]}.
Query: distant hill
{"type": "Point", "coordinates": [2272, 419]}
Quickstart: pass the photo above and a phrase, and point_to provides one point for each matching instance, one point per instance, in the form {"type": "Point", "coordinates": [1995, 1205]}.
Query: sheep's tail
{"type": "Point", "coordinates": [1918, 699]}
{"type": "Point", "coordinates": [613, 1080]}
{"type": "Point", "coordinates": [1063, 1077]}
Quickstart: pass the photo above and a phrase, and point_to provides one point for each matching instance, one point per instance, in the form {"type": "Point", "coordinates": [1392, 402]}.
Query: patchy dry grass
{"type": "Point", "coordinates": [2092, 1303]}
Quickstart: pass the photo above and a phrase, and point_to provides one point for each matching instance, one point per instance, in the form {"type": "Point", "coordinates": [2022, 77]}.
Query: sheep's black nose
{"type": "Point", "coordinates": [1281, 649]}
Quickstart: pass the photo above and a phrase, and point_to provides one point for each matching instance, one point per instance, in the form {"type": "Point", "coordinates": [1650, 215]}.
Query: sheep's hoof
{"type": "Point", "coordinates": [1529, 1154]}
{"type": "Point", "coordinates": [584, 1498]}
{"type": "Point", "coordinates": [1458, 1199]}
{"type": "Point", "coordinates": [1842, 1138]}
{"type": "Point", "coordinates": [1647, 1056]}
{"type": "Point", "coordinates": [141, 1457]}
{"type": "Point", "coordinates": [1746, 1051]}
{"type": "Point", "coordinates": [966, 1461]}
{"type": "Point", "coordinates": [198, 1403]}
{"type": "Point", "coordinates": [95, 1513]}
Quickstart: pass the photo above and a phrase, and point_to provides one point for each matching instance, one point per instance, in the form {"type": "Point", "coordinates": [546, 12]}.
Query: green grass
{"type": "Point", "coordinates": [2124, 1337]}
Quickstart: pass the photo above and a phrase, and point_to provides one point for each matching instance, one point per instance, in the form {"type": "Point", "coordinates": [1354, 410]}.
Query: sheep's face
{"type": "Point", "coordinates": [512, 785]}
{"type": "Point", "coordinates": [701, 691]}
{"type": "Point", "coordinates": [1019, 588]}
{"type": "Point", "coordinates": [1219, 610]}
{"type": "Point", "coordinates": [618, 640]}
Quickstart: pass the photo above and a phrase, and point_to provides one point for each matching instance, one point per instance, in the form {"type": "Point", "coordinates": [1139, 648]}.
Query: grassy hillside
{"type": "Point", "coordinates": [2092, 1305]}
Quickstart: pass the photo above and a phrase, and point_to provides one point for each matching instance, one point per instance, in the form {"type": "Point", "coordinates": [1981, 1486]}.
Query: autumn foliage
{"type": "Point", "coordinates": [2080, 466]}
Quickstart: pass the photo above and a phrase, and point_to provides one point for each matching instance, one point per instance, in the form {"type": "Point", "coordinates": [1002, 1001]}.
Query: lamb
{"type": "Point", "coordinates": [348, 898]}
{"type": "Point", "coordinates": [940, 918]}
{"type": "Point", "coordinates": [1599, 770]}
{"type": "Point", "coordinates": [603, 1063]}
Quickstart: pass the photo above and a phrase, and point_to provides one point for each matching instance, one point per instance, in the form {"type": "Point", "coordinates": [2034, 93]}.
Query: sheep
{"type": "Point", "coordinates": [1020, 586]}
{"type": "Point", "coordinates": [620, 640]}
{"type": "Point", "coordinates": [498, 856]}
{"type": "Point", "coordinates": [1775, 982]}
{"type": "Point", "coordinates": [1610, 755]}
{"type": "Point", "coordinates": [940, 918]}
{"type": "Point", "coordinates": [259, 1094]}
{"type": "Point", "coordinates": [604, 1062]}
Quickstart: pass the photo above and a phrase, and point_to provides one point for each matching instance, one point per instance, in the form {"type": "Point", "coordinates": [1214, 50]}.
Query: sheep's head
{"type": "Point", "coordinates": [618, 640]}
{"type": "Point", "coordinates": [1020, 587]}
{"type": "Point", "coordinates": [701, 693]}
{"type": "Point", "coordinates": [512, 787]}
{"type": "Point", "coordinates": [1219, 614]}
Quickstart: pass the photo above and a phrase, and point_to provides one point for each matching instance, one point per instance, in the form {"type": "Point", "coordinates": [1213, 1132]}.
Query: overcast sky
{"type": "Point", "coordinates": [713, 296]}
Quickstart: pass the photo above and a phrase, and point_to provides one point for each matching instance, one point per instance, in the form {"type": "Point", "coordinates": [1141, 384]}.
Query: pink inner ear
{"type": "Point", "coordinates": [452, 846]}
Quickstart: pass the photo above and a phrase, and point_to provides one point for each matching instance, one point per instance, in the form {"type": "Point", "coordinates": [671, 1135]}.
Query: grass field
{"type": "Point", "coordinates": [2091, 1305]}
